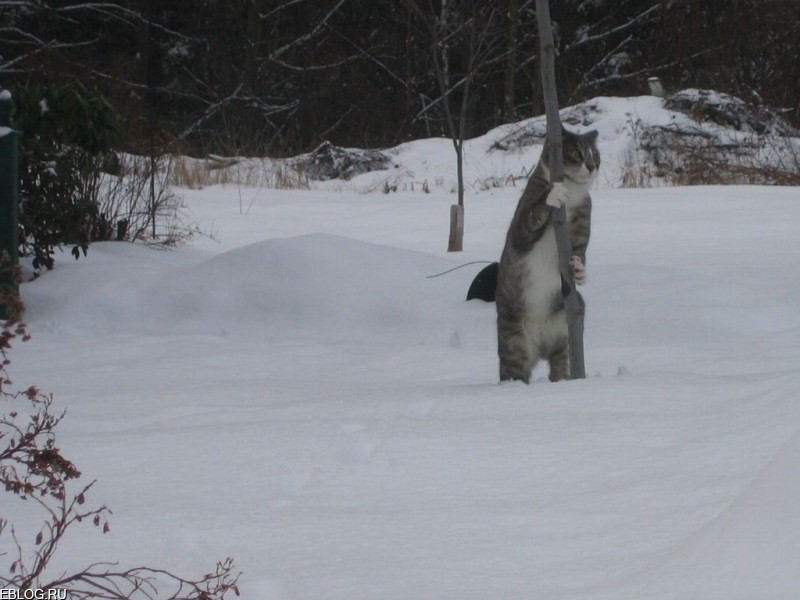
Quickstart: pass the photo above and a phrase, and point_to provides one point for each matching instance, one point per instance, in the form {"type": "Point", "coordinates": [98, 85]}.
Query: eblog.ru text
{"type": "Point", "coordinates": [18, 594]}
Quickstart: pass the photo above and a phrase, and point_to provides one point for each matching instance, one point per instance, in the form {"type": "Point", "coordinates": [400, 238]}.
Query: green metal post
{"type": "Point", "coordinates": [9, 196]}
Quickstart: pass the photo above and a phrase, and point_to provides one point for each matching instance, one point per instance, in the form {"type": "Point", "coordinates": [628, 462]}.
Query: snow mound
{"type": "Point", "coordinates": [315, 285]}
{"type": "Point", "coordinates": [312, 284]}
{"type": "Point", "coordinates": [592, 114]}
{"type": "Point", "coordinates": [693, 137]}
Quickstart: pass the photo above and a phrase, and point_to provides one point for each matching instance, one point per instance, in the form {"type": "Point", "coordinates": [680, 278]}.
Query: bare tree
{"type": "Point", "coordinates": [511, 60]}
{"type": "Point", "coordinates": [464, 40]}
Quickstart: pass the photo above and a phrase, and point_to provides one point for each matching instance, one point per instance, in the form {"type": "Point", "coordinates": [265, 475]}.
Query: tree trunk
{"type": "Point", "coordinates": [152, 112]}
{"type": "Point", "coordinates": [511, 61]}
{"type": "Point", "coordinates": [252, 29]}
{"type": "Point", "coordinates": [456, 242]}
{"type": "Point", "coordinates": [574, 314]}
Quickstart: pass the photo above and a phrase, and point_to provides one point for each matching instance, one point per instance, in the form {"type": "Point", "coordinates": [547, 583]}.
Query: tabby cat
{"type": "Point", "coordinates": [531, 315]}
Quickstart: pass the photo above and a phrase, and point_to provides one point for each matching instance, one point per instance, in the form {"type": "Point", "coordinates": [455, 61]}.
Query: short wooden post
{"type": "Point", "coordinates": [456, 228]}
{"type": "Point", "coordinates": [9, 198]}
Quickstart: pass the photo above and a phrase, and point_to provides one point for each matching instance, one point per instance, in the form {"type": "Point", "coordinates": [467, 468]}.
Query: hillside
{"type": "Point", "coordinates": [693, 137]}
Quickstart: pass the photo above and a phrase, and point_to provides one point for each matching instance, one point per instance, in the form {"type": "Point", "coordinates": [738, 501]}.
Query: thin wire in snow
{"type": "Point", "coordinates": [474, 262]}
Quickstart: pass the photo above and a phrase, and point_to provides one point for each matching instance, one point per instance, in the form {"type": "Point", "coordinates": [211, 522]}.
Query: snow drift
{"type": "Point", "coordinates": [295, 392]}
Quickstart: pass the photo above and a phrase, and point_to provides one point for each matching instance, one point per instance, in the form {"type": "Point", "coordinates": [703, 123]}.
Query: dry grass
{"type": "Point", "coordinates": [197, 174]}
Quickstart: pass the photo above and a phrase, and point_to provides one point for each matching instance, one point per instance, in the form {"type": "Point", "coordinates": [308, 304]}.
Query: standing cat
{"type": "Point", "coordinates": [531, 315]}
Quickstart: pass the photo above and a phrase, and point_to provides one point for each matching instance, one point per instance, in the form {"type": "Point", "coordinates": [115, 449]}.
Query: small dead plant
{"type": "Point", "coordinates": [671, 155]}
{"type": "Point", "coordinates": [34, 471]}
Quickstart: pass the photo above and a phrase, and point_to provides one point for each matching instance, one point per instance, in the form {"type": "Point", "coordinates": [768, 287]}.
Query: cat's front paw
{"type": "Point", "coordinates": [558, 196]}
{"type": "Point", "coordinates": [578, 270]}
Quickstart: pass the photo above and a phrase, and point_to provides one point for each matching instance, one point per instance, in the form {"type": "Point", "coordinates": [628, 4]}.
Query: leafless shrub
{"type": "Point", "coordinates": [636, 172]}
{"type": "Point", "coordinates": [673, 155]}
{"type": "Point", "coordinates": [136, 203]}
{"type": "Point", "coordinates": [702, 157]}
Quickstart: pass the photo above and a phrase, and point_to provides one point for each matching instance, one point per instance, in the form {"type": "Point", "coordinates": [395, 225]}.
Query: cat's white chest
{"type": "Point", "coordinates": [576, 193]}
{"type": "Point", "coordinates": [542, 275]}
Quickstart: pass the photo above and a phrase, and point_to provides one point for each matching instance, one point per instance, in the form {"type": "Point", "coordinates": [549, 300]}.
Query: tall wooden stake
{"type": "Point", "coordinates": [559, 216]}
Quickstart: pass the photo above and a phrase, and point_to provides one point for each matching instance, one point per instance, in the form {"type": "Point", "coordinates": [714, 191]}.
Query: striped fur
{"type": "Point", "coordinates": [531, 320]}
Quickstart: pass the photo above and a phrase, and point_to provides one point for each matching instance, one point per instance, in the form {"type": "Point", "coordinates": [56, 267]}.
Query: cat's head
{"type": "Point", "coordinates": [581, 157]}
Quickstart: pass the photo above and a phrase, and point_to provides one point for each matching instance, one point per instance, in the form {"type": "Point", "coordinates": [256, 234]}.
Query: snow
{"type": "Point", "coordinates": [295, 392]}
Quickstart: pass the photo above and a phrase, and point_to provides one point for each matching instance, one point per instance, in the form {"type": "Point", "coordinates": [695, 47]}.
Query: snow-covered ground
{"type": "Point", "coordinates": [295, 392]}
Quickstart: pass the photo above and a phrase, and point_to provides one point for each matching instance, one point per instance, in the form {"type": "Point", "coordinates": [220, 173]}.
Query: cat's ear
{"type": "Point", "coordinates": [591, 135]}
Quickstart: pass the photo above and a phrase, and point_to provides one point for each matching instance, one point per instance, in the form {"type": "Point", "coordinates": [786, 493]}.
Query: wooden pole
{"type": "Point", "coordinates": [456, 241]}
{"type": "Point", "coordinates": [559, 216]}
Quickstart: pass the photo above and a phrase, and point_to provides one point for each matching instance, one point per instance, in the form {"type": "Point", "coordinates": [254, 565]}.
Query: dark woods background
{"type": "Point", "coordinates": [277, 77]}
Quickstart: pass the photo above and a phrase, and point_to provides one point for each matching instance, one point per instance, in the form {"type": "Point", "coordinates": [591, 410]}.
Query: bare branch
{"type": "Point", "coordinates": [311, 34]}
{"type": "Point", "coordinates": [311, 68]}
{"type": "Point", "coordinates": [338, 122]}
{"type": "Point", "coordinates": [98, 581]}
{"type": "Point", "coordinates": [588, 84]}
{"type": "Point", "coordinates": [371, 57]}
{"type": "Point", "coordinates": [636, 21]}
{"type": "Point", "coordinates": [216, 107]}
{"type": "Point", "coordinates": [277, 9]}
{"type": "Point", "coordinates": [42, 46]}
{"type": "Point", "coordinates": [120, 13]}
{"type": "Point", "coordinates": [602, 63]}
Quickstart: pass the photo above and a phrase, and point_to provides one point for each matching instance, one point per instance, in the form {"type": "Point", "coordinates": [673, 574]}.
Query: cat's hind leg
{"type": "Point", "coordinates": [515, 349]}
{"type": "Point", "coordinates": [559, 363]}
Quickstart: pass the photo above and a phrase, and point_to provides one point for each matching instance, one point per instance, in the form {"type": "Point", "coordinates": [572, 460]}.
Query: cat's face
{"type": "Point", "coordinates": [581, 157]}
